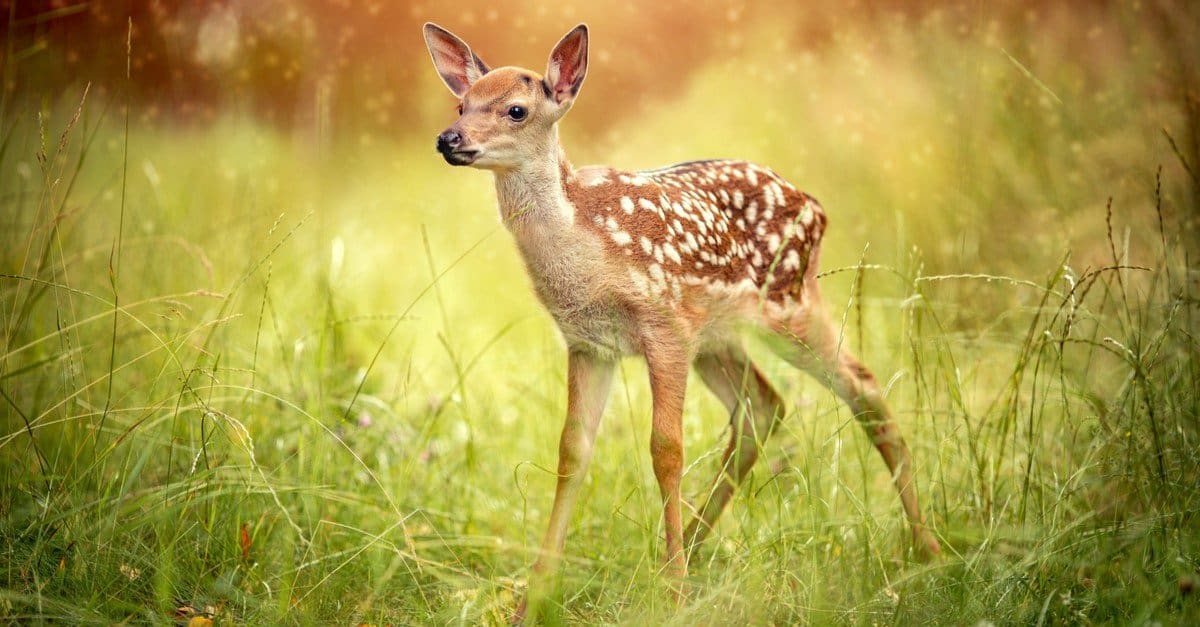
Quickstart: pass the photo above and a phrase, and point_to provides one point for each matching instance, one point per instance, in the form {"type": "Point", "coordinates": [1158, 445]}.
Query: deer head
{"type": "Point", "coordinates": [506, 116]}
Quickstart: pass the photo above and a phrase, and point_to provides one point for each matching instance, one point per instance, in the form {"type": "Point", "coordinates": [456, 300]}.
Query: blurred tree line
{"type": "Point", "coordinates": [331, 66]}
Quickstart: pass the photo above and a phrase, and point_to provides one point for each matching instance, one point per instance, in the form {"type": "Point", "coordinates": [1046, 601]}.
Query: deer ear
{"type": "Point", "coordinates": [452, 57]}
{"type": "Point", "coordinates": [567, 66]}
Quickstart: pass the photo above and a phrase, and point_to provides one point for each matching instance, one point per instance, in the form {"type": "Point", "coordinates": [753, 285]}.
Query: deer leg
{"type": "Point", "coordinates": [668, 366]}
{"type": "Point", "coordinates": [817, 351]}
{"type": "Point", "coordinates": [754, 411]}
{"type": "Point", "coordinates": [588, 380]}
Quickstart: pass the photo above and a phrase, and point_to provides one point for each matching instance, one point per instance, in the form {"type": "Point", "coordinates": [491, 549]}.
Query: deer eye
{"type": "Point", "coordinates": [517, 113]}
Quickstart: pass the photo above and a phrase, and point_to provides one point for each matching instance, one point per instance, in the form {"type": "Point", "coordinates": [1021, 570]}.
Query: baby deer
{"type": "Point", "coordinates": [668, 264]}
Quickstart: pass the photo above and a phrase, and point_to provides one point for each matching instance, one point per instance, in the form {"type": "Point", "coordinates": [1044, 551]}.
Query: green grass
{"type": "Point", "coordinates": [336, 354]}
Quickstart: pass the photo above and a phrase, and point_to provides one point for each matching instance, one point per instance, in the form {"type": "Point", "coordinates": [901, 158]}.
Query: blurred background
{"type": "Point", "coordinates": [264, 346]}
{"type": "Point", "coordinates": [924, 86]}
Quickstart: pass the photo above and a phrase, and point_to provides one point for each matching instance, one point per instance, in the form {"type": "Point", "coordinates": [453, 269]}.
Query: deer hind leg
{"type": "Point", "coordinates": [814, 345]}
{"type": "Point", "coordinates": [754, 411]}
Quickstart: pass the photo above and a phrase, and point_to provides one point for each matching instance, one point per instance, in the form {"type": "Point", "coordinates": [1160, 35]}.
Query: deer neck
{"type": "Point", "coordinates": [533, 195]}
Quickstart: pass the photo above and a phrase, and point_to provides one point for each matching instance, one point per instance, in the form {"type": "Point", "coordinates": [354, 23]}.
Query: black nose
{"type": "Point", "coordinates": [448, 141]}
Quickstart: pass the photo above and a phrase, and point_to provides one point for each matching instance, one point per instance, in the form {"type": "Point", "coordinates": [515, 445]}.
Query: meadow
{"type": "Point", "coordinates": [258, 379]}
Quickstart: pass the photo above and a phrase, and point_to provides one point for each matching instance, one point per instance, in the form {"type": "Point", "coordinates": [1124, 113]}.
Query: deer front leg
{"type": "Point", "coordinates": [668, 366]}
{"type": "Point", "coordinates": [588, 380]}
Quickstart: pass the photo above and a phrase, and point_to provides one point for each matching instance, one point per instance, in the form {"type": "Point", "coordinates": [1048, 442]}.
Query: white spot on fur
{"type": "Point", "coordinates": [626, 204]}
{"type": "Point", "coordinates": [792, 260]}
{"type": "Point", "coordinates": [671, 253]}
{"type": "Point", "coordinates": [778, 192]}
{"type": "Point", "coordinates": [656, 274]}
{"type": "Point", "coordinates": [646, 245]}
{"type": "Point", "coordinates": [793, 231]}
{"type": "Point", "coordinates": [621, 238]}
{"type": "Point", "coordinates": [769, 198]}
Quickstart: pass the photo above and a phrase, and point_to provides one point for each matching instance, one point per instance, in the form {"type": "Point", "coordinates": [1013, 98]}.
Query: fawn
{"type": "Point", "coordinates": [668, 264]}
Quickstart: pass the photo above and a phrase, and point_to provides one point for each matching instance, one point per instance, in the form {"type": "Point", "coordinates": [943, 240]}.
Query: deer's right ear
{"type": "Point", "coordinates": [458, 66]}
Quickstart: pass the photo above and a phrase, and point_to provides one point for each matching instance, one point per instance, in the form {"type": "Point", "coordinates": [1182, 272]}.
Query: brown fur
{"type": "Point", "coordinates": [667, 264]}
{"type": "Point", "coordinates": [713, 223]}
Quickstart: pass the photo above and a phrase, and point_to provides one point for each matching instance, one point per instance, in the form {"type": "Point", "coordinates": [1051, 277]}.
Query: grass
{"type": "Point", "coordinates": [266, 384]}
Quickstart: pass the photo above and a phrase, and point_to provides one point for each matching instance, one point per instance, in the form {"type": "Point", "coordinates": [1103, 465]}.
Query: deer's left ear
{"type": "Point", "coordinates": [458, 66]}
{"type": "Point", "coordinates": [568, 65]}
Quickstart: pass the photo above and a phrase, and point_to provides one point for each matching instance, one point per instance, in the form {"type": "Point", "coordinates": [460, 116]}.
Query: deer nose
{"type": "Point", "coordinates": [448, 141]}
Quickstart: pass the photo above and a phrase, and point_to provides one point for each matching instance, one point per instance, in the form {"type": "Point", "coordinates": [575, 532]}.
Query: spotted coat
{"type": "Point", "coordinates": [714, 225]}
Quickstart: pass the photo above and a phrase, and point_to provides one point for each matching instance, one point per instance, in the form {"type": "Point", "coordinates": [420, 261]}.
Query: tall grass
{"type": "Point", "coordinates": [251, 382]}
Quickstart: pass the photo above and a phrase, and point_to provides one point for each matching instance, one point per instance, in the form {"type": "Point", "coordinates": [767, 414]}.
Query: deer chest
{"type": "Point", "coordinates": [574, 282]}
